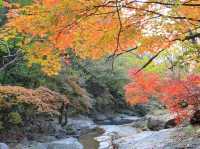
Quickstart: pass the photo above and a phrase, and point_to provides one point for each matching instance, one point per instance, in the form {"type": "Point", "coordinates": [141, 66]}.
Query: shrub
{"type": "Point", "coordinates": [18, 104]}
{"type": "Point", "coordinates": [15, 118]}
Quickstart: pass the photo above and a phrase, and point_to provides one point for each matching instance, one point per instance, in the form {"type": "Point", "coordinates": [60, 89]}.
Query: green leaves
{"type": "Point", "coordinates": [21, 2]}
{"type": "Point", "coordinates": [1, 3]}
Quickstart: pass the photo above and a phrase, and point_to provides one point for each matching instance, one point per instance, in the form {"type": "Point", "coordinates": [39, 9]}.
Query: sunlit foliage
{"type": "Point", "coordinates": [97, 28]}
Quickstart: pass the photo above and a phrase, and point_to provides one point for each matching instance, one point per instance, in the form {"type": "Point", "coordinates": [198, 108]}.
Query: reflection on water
{"type": "Point", "coordinates": [88, 140]}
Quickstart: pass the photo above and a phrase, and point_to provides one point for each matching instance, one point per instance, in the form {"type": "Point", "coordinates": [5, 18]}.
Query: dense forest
{"type": "Point", "coordinates": [99, 74]}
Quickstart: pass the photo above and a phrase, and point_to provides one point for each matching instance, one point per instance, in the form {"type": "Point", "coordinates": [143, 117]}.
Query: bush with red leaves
{"type": "Point", "coordinates": [180, 96]}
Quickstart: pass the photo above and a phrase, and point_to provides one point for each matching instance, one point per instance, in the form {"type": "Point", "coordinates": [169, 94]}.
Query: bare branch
{"type": "Point", "coordinates": [150, 60]}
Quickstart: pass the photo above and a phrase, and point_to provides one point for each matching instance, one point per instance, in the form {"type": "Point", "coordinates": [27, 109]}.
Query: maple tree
{"type": "Point", "coordinates": [180, 96]}
{"type": "Point", "coordinates": [98, 28]}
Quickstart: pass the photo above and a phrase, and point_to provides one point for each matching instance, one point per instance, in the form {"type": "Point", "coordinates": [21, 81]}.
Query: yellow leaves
{"type": "Point", "coordinates": [46, 56]}
{"type": "Point", "coordinates": [31, 20]}
{"type": "Point", "coordinates": [51, 66]}
{"type": "Point", "coordinates": [153, 44]}
{"type": "Point", "coordinates": [93, 28]}
{"type": "Point", "coordinates": [26, 24]}
{"type": "Point", "coordinates": [6, 34]}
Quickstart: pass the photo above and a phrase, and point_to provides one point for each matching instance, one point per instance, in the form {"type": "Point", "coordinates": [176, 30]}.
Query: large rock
{"type": "Point", "coordinates": [70, 143]}
{"type": "Point", "coordinates": [100, 117]}
{"type": "Point", "coordinates": [146, 140]}
{"type": "Point", "coordinates": [170, 123]}
{"type": "Point", "coordinates": [3, 146]}
{"type": "Point", "coordinates": [155, 124]}
{"type": "Point", "coordinates": [113, 132]}
{"type": "Point", "coordinates": [81, 124]}
{"type": "Point", "coordinates": [173, 138]}
{"type": "Point", "coordinates": [158, 122]}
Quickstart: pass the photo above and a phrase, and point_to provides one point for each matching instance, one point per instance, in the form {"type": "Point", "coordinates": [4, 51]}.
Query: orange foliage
{"type": "Point", "coordinates": [181, 97]}
{"type": "Point", "coordinates": [143, 86]}
{"type": "Point", "coordinates": [44, 99]}
{"type": "Point", "coordinates": [97, 28]}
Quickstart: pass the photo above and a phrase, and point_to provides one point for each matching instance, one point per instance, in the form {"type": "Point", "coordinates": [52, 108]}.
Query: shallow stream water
{"type": "Point", "coordinates": [88, 140]}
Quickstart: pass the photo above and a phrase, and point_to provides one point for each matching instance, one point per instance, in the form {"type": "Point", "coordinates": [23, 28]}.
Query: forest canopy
{"type": "Point", "coordinates": [94, 29]}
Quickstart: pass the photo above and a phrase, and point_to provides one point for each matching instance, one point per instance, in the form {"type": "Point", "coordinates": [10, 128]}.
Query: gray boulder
{"type": "Point", "coordinates": [146, 140]}
{"type": "Point", "coordinates": [81, 124]}
{"type": "Point", "coordinates": [158, 122]}
{"type": "Point", "coordinates": [3, 146]}
{"type": "Point", "coordinates": [38, 146]}
{"type": "Point", "coordinates": [155, 124]}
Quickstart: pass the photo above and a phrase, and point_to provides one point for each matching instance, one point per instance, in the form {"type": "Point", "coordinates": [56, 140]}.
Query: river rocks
{"type": "Point", "coordinates": [100, 117]}
{"type": "Point", "coordinates": [105, 145]}
{"type": "Point", "coordinates": [115, 119]}
{"type": "Point", "coordinates": [70, 143]}
{"type": "Point", "coordinates": [146, 140]}
{"type": "Point", "coordinates": [130, 137]}
{"type": "Point", "coordinates": [170, 123]}
{"type": "Point", "coordinates": [81, 124]}
{"type": "Point", "coordinates": [124, 119]}
{"type": "Point", "coordinates": [119, 130]}
{"type": "Point", "coordinates": [105, 141]}
{"type": "Point", "coordinates": [3, 146]}
{"type": "Point", "coordinates": [173, 138]}
{"type": "Point", "coordinates": [113, 132]}
{"type": "Point", "coordinates": [155, 124]}
{"type": "Point", "coordinates": [190, 143]}
{"type": "Point", "coordinates": [158, 122]}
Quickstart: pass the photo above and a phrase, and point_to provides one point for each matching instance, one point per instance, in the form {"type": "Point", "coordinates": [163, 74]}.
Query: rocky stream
{"type": "Point", "coordinates": [119, 132]}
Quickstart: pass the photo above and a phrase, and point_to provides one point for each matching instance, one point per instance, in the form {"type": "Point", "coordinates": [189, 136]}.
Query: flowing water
{"type": "Point", "coordinates": [88, 140]}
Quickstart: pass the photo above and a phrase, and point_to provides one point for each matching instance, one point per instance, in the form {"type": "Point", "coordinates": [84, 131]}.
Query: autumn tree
{"type": "Point", "coordinates": [25, 103]}
{"type": "Point", "coordinates": [180, 96]}
{"type": "Point", "coordinates": [98, 28]}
